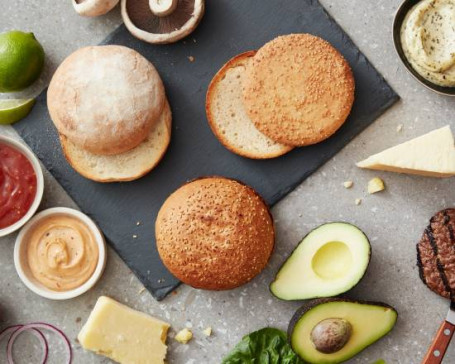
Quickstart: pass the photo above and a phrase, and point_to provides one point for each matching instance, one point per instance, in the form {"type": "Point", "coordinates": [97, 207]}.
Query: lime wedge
{"type": "Point", "coordinates": [12, 110]}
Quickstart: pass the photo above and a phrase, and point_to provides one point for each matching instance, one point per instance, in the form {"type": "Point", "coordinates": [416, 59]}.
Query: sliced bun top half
{"type": "Point", "coordinates": [299, 89]}
{"type": "Point", "coordinates": [105, 99]}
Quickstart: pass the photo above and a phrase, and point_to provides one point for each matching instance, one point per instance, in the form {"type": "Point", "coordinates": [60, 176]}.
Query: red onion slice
{"type": "Point", "coordinates": [8, 331]}
{"type": "Point", "coordinates": [34, 328]}
{"type": "Point", "coordinates": [15, 332]}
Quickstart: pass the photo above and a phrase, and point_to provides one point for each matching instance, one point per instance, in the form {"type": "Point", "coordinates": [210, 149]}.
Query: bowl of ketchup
{"type": "Point", "coordinates": [21, 185]}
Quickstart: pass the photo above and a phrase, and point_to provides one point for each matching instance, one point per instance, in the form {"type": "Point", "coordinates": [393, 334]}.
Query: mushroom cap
{"type": "Point", "coordinates": [146, 26]}
{"type": "Point", "coordinates": [94, 7]}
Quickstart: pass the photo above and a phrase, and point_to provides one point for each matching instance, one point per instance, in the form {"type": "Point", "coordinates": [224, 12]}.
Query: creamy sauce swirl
{"type": "Point", "coordinates": [428, 40]}
{"type": "Point", "coordinates": [61, 252]}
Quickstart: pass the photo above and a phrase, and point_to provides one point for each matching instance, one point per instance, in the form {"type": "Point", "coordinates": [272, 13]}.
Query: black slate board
{"type": "Point", "coordinates": [228, 28]}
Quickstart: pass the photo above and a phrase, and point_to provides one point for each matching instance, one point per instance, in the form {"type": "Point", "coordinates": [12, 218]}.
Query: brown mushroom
{"type": "Point", "coordinates": [163, 7]}
{"type": "Point", "coordinates": [94, 7]}
{"type": "Point", "coordinates": [162, 21]}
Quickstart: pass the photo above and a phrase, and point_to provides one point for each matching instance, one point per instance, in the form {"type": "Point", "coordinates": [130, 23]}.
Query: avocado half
{"type": "Point", "coordinates": [370, 321]}
{"type": "Point", "coordinates": [329, 261]}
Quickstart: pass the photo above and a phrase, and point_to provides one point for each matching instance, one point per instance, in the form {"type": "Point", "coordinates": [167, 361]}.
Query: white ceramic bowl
{"type": "Point", "coordinates": [27, 277]}
{"type": "Point", "coordinates": [39, 183]}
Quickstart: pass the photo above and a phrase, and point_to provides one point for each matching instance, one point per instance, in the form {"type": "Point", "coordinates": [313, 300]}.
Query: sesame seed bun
{"type": "Point", "coordinates": [105, 99]}
{"type": "Point", "coordinates": [299, 90]}
{"type": "Point", "coordinates": [215, 233]}
{"type": "Point", "coordinates": [227, 116]}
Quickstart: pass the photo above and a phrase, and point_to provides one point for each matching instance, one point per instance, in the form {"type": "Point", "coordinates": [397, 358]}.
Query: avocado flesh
{"type": "Point", "coordinates": [329, 261]}
{"type": "Point", "coordinates": [370, 322]}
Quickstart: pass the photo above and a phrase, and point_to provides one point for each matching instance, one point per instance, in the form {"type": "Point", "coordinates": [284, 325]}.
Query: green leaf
{"type": "Point", "coordinates": [266, 346]}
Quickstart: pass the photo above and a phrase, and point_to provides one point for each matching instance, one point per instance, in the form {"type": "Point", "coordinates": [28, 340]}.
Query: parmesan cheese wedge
{"type": "Point", "coordinates": [431, 155]}
{"type": "Point", "coordinates": [123, 334]}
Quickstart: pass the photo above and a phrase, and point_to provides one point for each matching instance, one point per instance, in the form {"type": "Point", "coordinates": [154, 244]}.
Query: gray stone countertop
{"type": "Point", "coordinates": [393, 220]}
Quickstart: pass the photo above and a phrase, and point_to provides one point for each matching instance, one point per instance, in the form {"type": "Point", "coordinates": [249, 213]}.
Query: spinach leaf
{"type": "Point", "coordinates": [266, 346]}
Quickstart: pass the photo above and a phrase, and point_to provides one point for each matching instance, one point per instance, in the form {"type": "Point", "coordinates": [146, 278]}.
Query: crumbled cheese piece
{"type": "Point", "coordinates": [184, 336]}
{"type": "Point", "coordinates": [134, 236]}
{"type": "Point", "coordinates": [207, 331]}
{"type": "Point", "coordinates": [358, 201]}
{"type": "Point", "coordinates": [348, 184]}
{"type": "Point", "coordinates": [375, 185]}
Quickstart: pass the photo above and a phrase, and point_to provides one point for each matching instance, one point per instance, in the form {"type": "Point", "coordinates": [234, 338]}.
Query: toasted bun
{"type": "Point", "coordinates": [299, 89]}
{"type": "Point", "coordinates": [105, 99]}
{"type": "Point", "coordinates": [126, 166]}
{"type": "Point", "coordinates": [215, 233]}
{"type": "Point", "coordinates": [227, 116]}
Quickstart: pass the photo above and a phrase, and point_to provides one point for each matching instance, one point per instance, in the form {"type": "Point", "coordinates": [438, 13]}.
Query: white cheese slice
{"type": "Point", "coordinates": [432, 155]}
{"type": "Point", "coordinates": [123, 334]}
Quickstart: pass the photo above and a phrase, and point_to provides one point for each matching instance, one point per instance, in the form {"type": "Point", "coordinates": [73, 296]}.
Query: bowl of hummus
{"type": "Point", "coordinates": [424, 37]}
{"type": "Point", "coordinates": [60, 253]}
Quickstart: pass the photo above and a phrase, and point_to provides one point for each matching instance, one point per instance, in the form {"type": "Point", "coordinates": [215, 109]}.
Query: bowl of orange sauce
{"type": "Point", "coordinates": [60, 253]}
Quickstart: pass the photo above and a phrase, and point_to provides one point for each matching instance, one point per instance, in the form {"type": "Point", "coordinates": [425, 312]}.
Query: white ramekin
{"type": "Point", "coordinates": [39, 183]}
{"type": "Point", "coordinates": [35, 286]}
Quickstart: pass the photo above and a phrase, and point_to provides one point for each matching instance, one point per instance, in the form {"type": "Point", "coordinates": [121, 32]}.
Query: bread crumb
{"type": "Point", "coordinates": [348, 184]}
{"type": "Point", "coordinates": [191, 58]}
{"type": "Point", "coordinates": [208, 331]}
{"type": "Point", "coordinates": [399, 128]}
{"type": "Point", "coordinates": [138, 223]}
{"type": "Point", "coordinates": [375, 185]}
{"type": "Point", "coordinates": [358, 201]}
{"type": "Point", "coordinates": [184, 336]}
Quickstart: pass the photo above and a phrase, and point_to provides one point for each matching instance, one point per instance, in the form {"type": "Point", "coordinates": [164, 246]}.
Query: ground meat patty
{"type": "Point", "coordinates": [436, 254]}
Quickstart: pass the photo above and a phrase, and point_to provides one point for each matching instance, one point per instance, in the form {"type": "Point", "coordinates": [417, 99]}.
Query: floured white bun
{"type": "Point", "coordinates": [126, 166]}
{"type": "Point", "coordinates": [105, 99]}
{"type": "Point", "coordinates": [228, 118]}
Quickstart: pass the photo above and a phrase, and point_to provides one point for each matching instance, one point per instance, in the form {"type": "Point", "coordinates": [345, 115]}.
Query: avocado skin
{"type": "Point", "coordinates": [292, 252]}
{"type": "Point", "coordinates": [316, 302]}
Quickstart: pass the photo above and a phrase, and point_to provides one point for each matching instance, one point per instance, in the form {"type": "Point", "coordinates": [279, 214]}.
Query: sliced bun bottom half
{"type": "Point", "coordinates": [126, 166]}
{"type": "Point", "coordinates": [227, 115]}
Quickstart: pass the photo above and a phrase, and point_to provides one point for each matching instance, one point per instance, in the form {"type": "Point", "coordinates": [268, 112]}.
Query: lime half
{"type": "Point", "coordinates": [12, 110]}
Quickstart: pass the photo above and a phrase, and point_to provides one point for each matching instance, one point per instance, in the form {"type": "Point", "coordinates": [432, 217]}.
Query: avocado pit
{"type": "Point", "coordinates": [331, 335]}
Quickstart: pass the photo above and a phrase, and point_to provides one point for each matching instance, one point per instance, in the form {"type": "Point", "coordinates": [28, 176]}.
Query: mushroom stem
{"type": "Point", "coordinates": [163, 7]}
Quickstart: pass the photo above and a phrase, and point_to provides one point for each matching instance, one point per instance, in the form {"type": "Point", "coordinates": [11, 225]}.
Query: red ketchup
{"type": "Point", "coordinates": [17, 185]}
